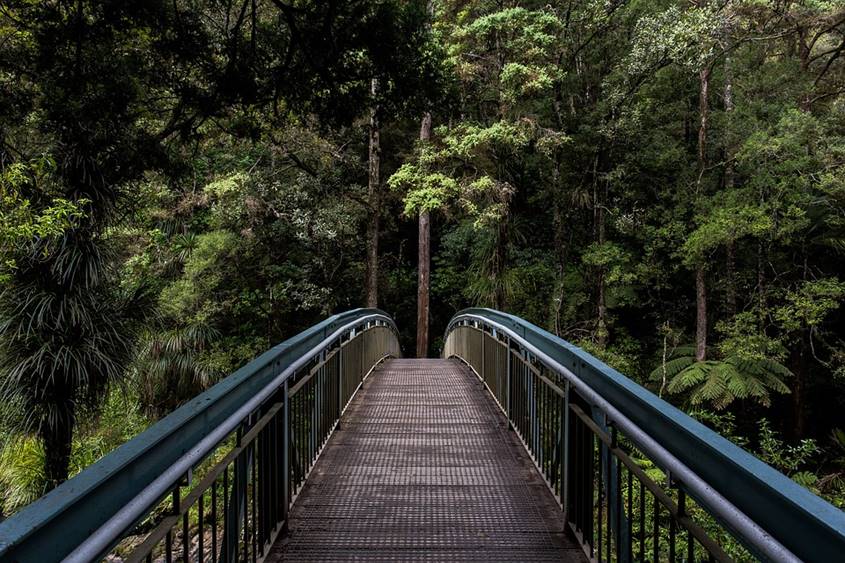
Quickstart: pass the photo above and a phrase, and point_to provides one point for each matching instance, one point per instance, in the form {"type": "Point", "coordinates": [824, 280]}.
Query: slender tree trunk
{"type": "Point", "coordinates": [423, 261]}
{"type": "Point", "coordinates": [601, 332]}
{"type": "Point", "coordinates": [57, 439]}
{"type": "Point", "coordinates": [704, 119]}
{"type": "Point", "coordinates": [374, 192]}
{"type": "Point", "coordinates": [799, 370]}
{"type": "Point", "coordinates": [804, 103]}
{"type": "Point", "coordinates": [700, 279]}
{"type": "Point", "coordinates": [561, 249]}
{"type": "Point", "coordinates": [499, 258]}
{"type": "Point", "coordinates": [730, 181]}
{"type": "Point", "coordinates": [730, 274]}
{"type": "Point", "coordinates": [700, 314]}
{"type": "Point", "coordinates": [761, 265]}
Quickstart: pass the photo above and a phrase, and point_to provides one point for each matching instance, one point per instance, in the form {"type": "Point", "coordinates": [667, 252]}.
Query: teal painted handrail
{"type": "Point", "coordinates": [800, 521]}
{"type": "Point", "coordinates": [56, 524]}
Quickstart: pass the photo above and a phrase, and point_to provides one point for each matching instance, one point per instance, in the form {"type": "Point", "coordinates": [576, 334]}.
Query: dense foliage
{"type": "Point", "coordinates": [183, 184]}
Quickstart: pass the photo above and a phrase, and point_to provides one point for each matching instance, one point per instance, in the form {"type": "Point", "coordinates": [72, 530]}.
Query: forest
{"type": "Point", "coordinates": [185, 183]}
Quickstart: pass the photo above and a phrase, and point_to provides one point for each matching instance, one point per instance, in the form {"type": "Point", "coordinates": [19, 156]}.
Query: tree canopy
{"type": "Point", "coordinates": [185, 184]}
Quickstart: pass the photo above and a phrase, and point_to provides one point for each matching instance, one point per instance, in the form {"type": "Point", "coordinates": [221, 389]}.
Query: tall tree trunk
{"type": "Point", "coordinates": [599, 226]}
{"type": "Point", "coordinates": [704, 119]}
{"type": "Point", "coordinates": [374, 192]}
{"type": "Point", "coordinates": [601, 331]}
{"type": "Point", "coordinates": [730, 181]}
{"type": "Point", "coordinates": [423, 261]}
{"type": "Point", "coordinates": [499, 258]}
{"type": "Point", "coordinates": [57, 438]}
{"type": "Point", "coordinates": [561, 216]}
{"type": "Point", "coordinates": [700, 314]}
{"type": "Point", "coordinates": [799, 370]}
{"type": "Point", "coordinates": [730, 274]}
{"type": "Point", "coordinates": [700, 280]}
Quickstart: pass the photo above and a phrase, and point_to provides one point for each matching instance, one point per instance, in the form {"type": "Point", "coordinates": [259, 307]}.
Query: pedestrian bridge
{"type": "Point", "coordinates": [514, 446]}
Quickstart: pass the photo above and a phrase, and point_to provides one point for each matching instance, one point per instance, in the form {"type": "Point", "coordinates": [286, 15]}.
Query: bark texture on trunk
{"type": "Point", "coordinates": [700, 280]}
{"type": "Point", "coordinates": [700, 314]}
{"type": "Point", "coordinates": [423, 283]}
{"type": "Point", "coordinates": [704, 117]}
{"type": "Point", "coordinates": [730, 181]}
{"type": "Point", "coordinates": [499, 260]}
{"type": "Point", "coordinates": [57, 439]}
{"type": "Point", "coordinates": [374, 193]}
{"type": "Point", "coordinates": [423, 261]}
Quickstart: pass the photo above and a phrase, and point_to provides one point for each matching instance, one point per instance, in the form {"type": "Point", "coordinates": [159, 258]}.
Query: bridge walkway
{"type": "Point", "coordinates": [423, 468]}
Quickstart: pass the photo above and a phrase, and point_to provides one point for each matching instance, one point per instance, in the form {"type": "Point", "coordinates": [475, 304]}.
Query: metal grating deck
{"type": "Point", "coordinates": [424, 469]}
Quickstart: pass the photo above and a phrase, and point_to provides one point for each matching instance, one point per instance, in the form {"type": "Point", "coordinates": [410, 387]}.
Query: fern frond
{"type": "Point", "coordinates": [672, 367]}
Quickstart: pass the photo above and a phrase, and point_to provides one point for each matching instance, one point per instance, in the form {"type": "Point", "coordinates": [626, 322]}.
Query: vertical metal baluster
{"type": "Point", "coordinates": [682, 510]}
{"type": "Point", "coordinates": [538, 423]}
{"type": "Point", "coordinates": [630, 516]}
{"type": "Point", "coordinates": [574, 495]}
{"type": "Point", "coordinates": [214, 521]}
{"type": "Point", "coordinates": [656, 528]}
{"type": "Point", "coordinates": [339, 382]}
{"type": "Point", "coordinates": [544, 430]}
{"type": "Point", "coordinates": [265, 483]}
{"type": "Point", "coordinates": [168, 546]}
{"type": "Point", "coordinates": [276, 464]}
{"type": "Point", "coordinates": [642, 524]}
{"type": "Point", "coordinates": [201, 526]}
{"type": "Point", "coordinates": [186, 538]}
{"type": "Point", "coordinates": [303, 434]}
{"type": "Point", "coordinates": [690, 547]}
{"type": "Point", "coordinates": [255, 491]}
{"type": "Point", "coordinates": [590, 480]}
{"type": "Point", "coordinates": [224, 555]}
{"type": "Point", "coordinates": [619, 501]}
{"type": "Point", "coordinates": [177, 509]}
{"type": "Point", "coordinates": [242, 481]}
{"type": "Point", "coordinates": [286, 455]}
{"type": "Point", "coordinates": [509, 406]}
{"type": "Point", "coordinates": [609, 497]}
{"type": "Point", "coordinates": [315, 413]}
{"type": "Point", "coordinates": [601, 493]}
{"type": "Point", "coordinates": [551, 431]}
{"type": "Point", "coordinates": [564, 451]}
{"type": "Point", "coordinates": [672, 524]}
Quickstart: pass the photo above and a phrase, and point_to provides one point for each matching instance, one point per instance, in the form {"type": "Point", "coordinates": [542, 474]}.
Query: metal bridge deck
{"type": "Point", "coordinates": [424, 468]}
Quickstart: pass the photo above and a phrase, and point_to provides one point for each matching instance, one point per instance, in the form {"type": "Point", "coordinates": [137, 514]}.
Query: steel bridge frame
{"type": "Point", "coordinates": [226, 467]}
{"type": "Point", "coordinates": [535, 376]}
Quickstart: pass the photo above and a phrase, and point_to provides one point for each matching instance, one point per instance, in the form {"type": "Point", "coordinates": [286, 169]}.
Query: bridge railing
{"type": "Point", "coordinates": [213, 481]}
{"type": "Point", "coordinates": [637, 478]}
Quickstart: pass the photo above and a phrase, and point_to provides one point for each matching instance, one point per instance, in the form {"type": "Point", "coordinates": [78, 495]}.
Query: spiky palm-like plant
{"type": "Point", "coordinates": [170, 369]}
{"type": "Point", "coordinates": [66, 334]}
{"type": "Point", "coordinates": [720, 382]}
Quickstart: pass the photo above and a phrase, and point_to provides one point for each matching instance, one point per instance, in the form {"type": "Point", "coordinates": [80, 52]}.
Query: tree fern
{"type": "Point", "coordinates": [720, 382]}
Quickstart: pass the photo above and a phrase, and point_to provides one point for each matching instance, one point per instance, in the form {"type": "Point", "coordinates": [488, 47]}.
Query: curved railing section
{"type": "Point", "coordinates": [214, 479]}
{"type": "Point", "coordinates": [637, 478]}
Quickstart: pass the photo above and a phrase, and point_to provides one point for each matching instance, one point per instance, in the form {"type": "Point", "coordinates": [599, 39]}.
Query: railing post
{"type": "Point", "coordinates": [483, 346]}
{"type": "Point", "coordinates": [286, 458]}
{"type": "Point", "coordinates": [509, 407]}
{"type": "Point", "coordinates": [339, 381]}
{"type": "Point", "coordinates": [237, 501]}
{"type": "Point", "coordinates": [564, 454]}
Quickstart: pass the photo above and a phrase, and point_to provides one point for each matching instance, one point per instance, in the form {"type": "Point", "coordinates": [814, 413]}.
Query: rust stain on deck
{"type": "Point", "coordinates": [424, 468]}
